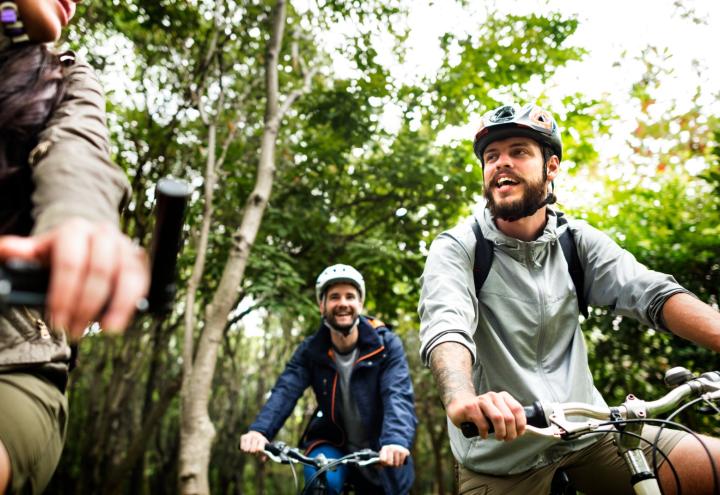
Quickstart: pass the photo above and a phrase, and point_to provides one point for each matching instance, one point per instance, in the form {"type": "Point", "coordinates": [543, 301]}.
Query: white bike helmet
{"type": "Point", "coordinates": [336, 274]}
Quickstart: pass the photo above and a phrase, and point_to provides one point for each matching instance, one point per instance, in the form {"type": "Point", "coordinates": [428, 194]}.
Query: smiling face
{"type": "Point", "coordinates": [341, 306]}
{"type": "Point", "coordinates": [44, 20]}
{"type": "Point", "coordinates": [515, 179]}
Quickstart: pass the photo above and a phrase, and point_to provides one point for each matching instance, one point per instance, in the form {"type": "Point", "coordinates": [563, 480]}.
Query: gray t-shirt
{"type": "Point", "coordinates": [352, 422]}
{"type": "Point", "coordinates": [357, 439]}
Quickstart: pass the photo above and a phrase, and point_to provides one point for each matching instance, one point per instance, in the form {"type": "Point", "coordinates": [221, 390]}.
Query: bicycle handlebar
{"type": "Point", "coordinates": [284, 454]}
{"type": "Point", "coordinates": [26, 282]}
{"type": "Point", "coordinates": [549, 419]}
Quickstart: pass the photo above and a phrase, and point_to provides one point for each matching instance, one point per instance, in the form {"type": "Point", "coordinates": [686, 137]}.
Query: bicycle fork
{"type": "Point", "coordinates": [642, 478]}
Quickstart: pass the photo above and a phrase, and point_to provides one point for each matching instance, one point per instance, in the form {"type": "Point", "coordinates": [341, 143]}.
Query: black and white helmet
{"type": "Point", "coordinates": [510, 121]}
{"type": "Point", "coordinates": [336, 274]}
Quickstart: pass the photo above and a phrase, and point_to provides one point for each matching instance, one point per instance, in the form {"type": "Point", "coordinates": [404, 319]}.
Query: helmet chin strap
{"type": "Point", "coordinates": [345, 331]}
{"type": "Point", "coordinates": [549, 199]}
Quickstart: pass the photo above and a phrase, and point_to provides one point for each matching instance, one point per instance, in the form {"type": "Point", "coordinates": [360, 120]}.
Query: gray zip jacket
{"type": "Point", "coordinates": [523, 333]}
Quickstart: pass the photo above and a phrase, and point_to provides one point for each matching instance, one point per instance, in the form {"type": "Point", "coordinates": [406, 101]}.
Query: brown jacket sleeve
{"type": "Point", "coordinates": [72, 170]}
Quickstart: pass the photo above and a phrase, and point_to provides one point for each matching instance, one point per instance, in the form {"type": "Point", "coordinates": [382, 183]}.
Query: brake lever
{"type": "Point", "coordinates": [551, 431]}
{"type": "Point", "coordinates": [277, 452]}
{"type": "Point", "coordinates": [277, 458]}
{"type": "Point", "coordinates": [562, 428]}
{"type": "Point", "coordinates": [365, 454]}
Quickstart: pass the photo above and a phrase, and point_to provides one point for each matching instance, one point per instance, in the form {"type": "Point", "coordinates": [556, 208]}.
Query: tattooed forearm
{"type": "Point", "coordinates": [451, 366]}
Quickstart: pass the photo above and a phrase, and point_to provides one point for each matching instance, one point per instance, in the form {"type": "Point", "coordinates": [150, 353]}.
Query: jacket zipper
{"type": "Point", "coordinates": [541, 330]}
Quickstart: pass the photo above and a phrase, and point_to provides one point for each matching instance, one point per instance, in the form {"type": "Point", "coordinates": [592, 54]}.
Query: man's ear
{"type": "Point", "coordinates": [321, 305]}
{"type": "Point", "coordinates": [553, 168]}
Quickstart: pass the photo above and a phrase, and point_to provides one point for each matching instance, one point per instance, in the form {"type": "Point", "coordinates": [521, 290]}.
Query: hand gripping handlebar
{"type": "Point", "coordinates": [534, 413]}
{"type": "Point", "coordinates": [26, 282]}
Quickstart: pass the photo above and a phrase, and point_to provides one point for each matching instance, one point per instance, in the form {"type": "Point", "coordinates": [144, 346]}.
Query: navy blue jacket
{"type": "Point", "coordinates": [380, 383]}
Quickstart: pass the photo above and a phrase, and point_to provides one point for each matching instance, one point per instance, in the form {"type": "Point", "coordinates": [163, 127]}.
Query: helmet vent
{"type": "Point", "coordinates": [504, 113]}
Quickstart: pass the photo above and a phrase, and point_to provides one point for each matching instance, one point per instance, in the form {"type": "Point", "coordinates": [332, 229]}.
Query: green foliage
{"type": "Point", "coordinates": [582, 120]}
{"type": "Point", "coordinates": [668, 217]}
{"type": "Point", "coordinates": [497, 60]}
{"type": "Point", "coordinates": [349, 190]}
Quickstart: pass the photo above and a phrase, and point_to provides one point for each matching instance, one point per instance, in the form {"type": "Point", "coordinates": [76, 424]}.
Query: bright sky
{"type": "Point", "coordinates": [606, 29]}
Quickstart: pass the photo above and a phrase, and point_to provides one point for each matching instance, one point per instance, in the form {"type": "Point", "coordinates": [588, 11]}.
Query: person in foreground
{"type": "Point", "coordinates": [520, 340]}
{"type": "Point", "coordinates": [358, 371]}
{"type": "Point", "coordinates": [59, 201]}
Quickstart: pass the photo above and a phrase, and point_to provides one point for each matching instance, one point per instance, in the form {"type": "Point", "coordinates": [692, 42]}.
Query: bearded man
{"type": "Point", "coordinates": [512, 336]}
{"type": "Point", "coordinates": [358, 371]}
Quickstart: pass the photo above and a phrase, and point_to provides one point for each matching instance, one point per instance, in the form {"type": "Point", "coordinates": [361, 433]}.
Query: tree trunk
{"type": "Point", "coordinates": [196, 429]}
{"type": "Point", "coordinates": [439, 467]}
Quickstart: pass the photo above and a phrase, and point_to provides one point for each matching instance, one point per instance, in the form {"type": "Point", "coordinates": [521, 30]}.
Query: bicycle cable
{"type": "Point", "coordinates": [667, 422]}
{"type": "Point", "coordinates": [716, 482]}
{"type": "Point", "coordinates": [295, 476]}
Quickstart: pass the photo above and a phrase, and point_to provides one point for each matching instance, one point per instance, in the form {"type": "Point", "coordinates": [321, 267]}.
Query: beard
{"type": "Point", "coordinates": [331, 319]}
{"type": "Point", "coordinates": [532, 199]}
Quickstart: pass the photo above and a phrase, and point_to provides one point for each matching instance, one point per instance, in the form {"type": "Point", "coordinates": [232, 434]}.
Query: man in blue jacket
{"type": "Point", "coordinates": [358, 371]}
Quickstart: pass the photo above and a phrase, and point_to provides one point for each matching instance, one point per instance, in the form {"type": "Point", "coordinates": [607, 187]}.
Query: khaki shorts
{"type": "Point", "coordinates": [597, 469]}
{"type": "Point", "coordinates": [33, 419]}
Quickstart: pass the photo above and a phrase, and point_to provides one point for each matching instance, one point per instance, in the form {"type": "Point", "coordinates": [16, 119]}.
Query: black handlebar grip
{"type": "Point", "coordinates": [171, 200]}
{"type": "Point", "coordinates": [26, 282]}
{"type": "Point", "coordinates": [23, 282]}
{"type": "Point", "coordinates": [273, 448]}
{"type": "Point", "coordinates": [535, 417]}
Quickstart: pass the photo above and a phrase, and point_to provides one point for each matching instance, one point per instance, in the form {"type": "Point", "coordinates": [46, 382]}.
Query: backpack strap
{"type": "Point", "coordinates": [569, 249]}
{"type": "Point", "coordinates": [376, 323]}
{"type": "Point", "coordinates": [483, 257]}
